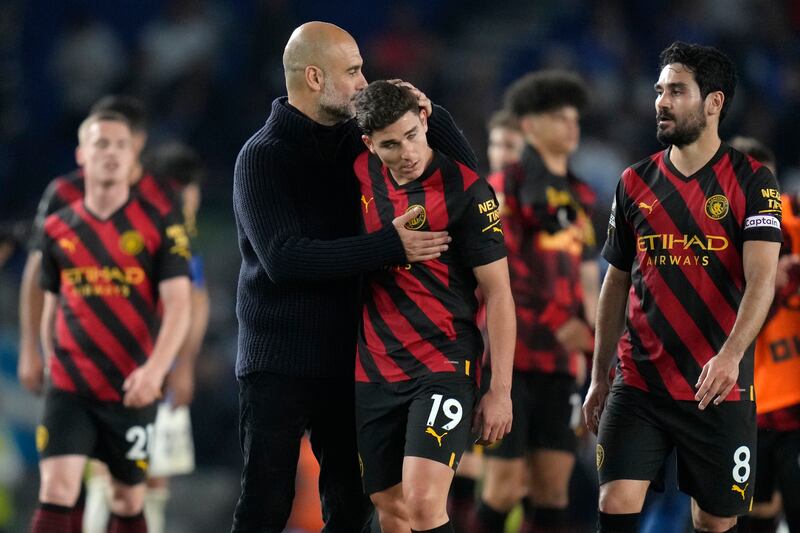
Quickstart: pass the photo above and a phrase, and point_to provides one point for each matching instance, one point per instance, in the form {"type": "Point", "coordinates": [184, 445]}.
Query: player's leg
{"type": "Point", "coordinates": [98, 498]}
{"type": "Point", "coordinates": [631, 448]}
{"type": "Point", "coordinates": [127, 504]}
{"type": "Point", "coordinates": [704, 521]}
{"type": "Point", "coordinates": [461, 500]}
{"type": "Point", "coordinates": [155, 503]}
{"type": "Point", "coordinates": [552, 433]}
{"type": "Point", "coordinates": [273, 414]}
{"type": "Point", "coordinates": [64, 439]}
{"type": "Point", "coordinates": [437, 433]}
{"type": "Point", "coordinates": [381, 418]}
{"type": "Point", "coordinates": [505, 472]}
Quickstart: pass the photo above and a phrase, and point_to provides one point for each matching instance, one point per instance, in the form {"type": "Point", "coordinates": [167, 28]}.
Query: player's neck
{"type": "Point", "coordinates": [103, 199]}
{"type": "Point", "coordinates": [690, 158]}
{"type": "Point", "coordinates": [555, 162]}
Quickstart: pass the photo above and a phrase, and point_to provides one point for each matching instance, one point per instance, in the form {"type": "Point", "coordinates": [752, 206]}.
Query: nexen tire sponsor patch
{"type": "Point", "coordinates": [761, 221]}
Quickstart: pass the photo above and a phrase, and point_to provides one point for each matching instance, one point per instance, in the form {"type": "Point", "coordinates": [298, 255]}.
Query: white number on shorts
{"type": "Point", "coordinates": [141, 439]}
{"type": "Point", "coordinates": [452, 409]}
{"type": "Point", "coordinates": [741, 461]}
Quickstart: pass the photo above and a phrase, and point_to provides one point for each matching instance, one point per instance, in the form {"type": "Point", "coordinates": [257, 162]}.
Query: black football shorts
{"type": "Point", "coordinates": [117, 435]}
{"type": "Point", "coordinates": [546, 411]}
{"type": "Point", "coordinates": [429, 417]}
{"type": "Point", "coordinates": [716, 448]}
{"type": "Point", "coordinates": [778, 466]}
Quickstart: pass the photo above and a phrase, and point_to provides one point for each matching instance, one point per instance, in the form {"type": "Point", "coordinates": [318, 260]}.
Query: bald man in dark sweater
{"type": "Point", "coordinates": [297, 208]}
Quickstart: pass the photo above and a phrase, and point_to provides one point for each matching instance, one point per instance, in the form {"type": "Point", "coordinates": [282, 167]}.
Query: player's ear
{"type": "Point", "coordinates": [423, 118]}
{"type": "Point", "coordinates": [714, 102]}
{"type": "Point", "coordinates": [79, 156]}
{"type": "Point", "coordinates": [368, 142]}
{"type": "Point", "coordinates": [315, 79]}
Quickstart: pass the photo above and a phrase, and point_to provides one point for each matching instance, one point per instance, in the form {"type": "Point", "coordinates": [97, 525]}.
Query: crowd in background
{"type": "Point", "coordinates": [208, 71]}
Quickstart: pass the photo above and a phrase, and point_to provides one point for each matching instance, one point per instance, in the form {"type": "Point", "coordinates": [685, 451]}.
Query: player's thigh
{"type": "Point", "coordinates": [716, 452]}
{"type": "Point", "coordinates": [471, 464]}
{"type": "Point", "coordinates": [60, 479]}
{"type": "Point", "coordinates": [631, 442]}
{"type": "Point", "coordinates": [126, 499]}
{"type": "Point", "coordinates": [426, 483]}
{"type": "Point", "coordinates": [706, 521]}
{"type": "Point", "coordinates": [381, 419]}
{"type": "Point", "coordinates": [124, 439]}
{"type": "Point", "coordinates": [440, 416]}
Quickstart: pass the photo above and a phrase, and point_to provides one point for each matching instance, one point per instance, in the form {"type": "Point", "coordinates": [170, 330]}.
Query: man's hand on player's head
{"type": "Point", "coordinates": [595, 403]}
{"type": "Point", "coordinates": [420, 245]}
{"type": "Point", "coordinates": [30, 370]}
{"type": "Point", "coordinates": [493, 417]}
{"type": "Point", "coordinates": [717, 379]}
{"type": "Point", "coordinates": [143, 386]}
{"type": "Point", "coordinates": [423, 101]}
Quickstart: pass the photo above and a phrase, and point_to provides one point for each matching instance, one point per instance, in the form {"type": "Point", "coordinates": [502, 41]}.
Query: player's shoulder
{"type": "Point", "coordinates": [64, 219]}
{"type": "Point", "coordinates": [584, 192]}
{"type": "Point", "coordinates": [744, 166]}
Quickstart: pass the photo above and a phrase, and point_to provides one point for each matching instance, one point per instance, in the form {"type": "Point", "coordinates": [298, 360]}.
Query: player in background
{"type": "Point", "coordinates": [419, 346]}
{"type": "Point", "coordinates": [693, 242]}
{"type": "Point", "coordinates": [107, 262]}
{"type": "Point", "coordinates": [776, 378]}
{"type": "Point", "coordinates": [554, 276]}
{"type": "Point", "coordinates": [504, 149]}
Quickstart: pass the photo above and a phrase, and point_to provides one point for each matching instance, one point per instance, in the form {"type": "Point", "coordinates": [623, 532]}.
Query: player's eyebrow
{"type": "Point", "coordinates": [672, 85]}
{"type": "Point", "coordinates": [388, 142]}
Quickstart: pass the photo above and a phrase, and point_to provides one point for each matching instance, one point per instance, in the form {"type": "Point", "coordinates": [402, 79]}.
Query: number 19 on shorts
{"type": "Point", "coordinates": [451, 408]}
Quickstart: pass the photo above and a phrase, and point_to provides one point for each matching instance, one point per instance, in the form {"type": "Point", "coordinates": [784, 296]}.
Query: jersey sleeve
{"type": "Point", "coordinates": [620, 248]}
{"type": "Point", "coordinates": [174, 254]}
{"type": "Point", "coordinates": [50, 275]}
{"type": "Point", "coordinates": [47, 205]}
{"type": "Point", "coordinates": [479, 232]}
{"type": "Point", "coordinates": [762, 218]}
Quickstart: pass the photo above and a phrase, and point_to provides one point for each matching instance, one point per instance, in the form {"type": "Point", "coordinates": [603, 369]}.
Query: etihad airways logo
{"type": "Point", "coordinates": [673, 245]}
{"type": "Point", "coordinates": [102, 281]}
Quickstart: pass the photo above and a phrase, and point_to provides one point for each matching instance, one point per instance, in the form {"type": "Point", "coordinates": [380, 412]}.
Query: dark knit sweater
{"type": "Point", "coordinates": [297, 207]}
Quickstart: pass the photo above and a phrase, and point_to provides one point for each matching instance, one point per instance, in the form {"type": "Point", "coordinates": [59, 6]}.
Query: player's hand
{"type": "Point", "coordinates": [143, 386]}
{"type": "Point", "coordinates": [180, 385]}
{"type": "Point", "coordinates": [30, 370]}
{"type": "Point", "coordinates": [717, 379]}
{"type": "Point", "coordinates": [420, 245]}
{"type": "Point", "coordinates": [595, 403]}
{"type": "Point", "coordinates": [423, 101]}
{"type": "Point", "coordinates": [493, 417]}
{"type": "Point", "coordinates": [575, 336]}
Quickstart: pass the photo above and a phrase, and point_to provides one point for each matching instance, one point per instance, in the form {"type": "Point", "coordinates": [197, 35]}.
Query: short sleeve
{"type": "Point", "coordinates": [762, 218]}
{"type": "Point", "coordinates": [174, 254]}
{"type": "Point", "coordinates": [619, 249]}
{"type": "Point", "coordinates": [50, 275]}
{"type": "Point", "coordinates": [45, 208]}
{"type": "Point", "coordinates": [479, 231]}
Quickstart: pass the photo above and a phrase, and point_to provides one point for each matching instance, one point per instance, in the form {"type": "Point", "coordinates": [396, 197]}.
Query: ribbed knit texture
{"type": "Point", "coordinates": [297, 208]}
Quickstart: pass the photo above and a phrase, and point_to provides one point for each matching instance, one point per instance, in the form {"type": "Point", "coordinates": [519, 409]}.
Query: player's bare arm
{"type": "Point", "coordinates": [610, 323]}
{"type": "Point", "coordinates": [30, 366]}
{"type": "Point", "coordinates": [180, 381]}
{"type": "Point", "coordinates": [590, 281]}
{"type": "Point", "coordinates": [493, 415]}
{"type": "Point", "coordinates": [719, 375]}
{"type": "Point", "coordinates": [143, 385]}
{"type": "Point", "coordinates": [47, 324]}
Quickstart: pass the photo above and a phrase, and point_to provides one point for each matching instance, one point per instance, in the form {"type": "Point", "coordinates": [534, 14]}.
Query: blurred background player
{"type": "Point", "coordinates": [108, 261]}
{"type": "Point", "coordinates": [554, 278]}
{"type": "Point", "coordinates": [504, 148]}
{"type": "Point", "coordinates": [777, 375]}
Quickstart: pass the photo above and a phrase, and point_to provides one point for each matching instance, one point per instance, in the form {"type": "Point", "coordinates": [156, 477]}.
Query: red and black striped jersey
{"type": "Point", "coordinates": [421, 318]}
{"type": "Point", "coordinates": [66, 189]}
{"type": "Point", "coordinates": [682, 238]}
{"type": "Point", "coordinates": [546, 220]}
{"type": "Point", "coordinates": [106, 275]}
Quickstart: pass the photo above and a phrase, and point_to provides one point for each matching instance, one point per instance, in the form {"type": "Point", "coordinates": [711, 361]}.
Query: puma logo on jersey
{"type": "Point", "coordinates": [366, 202]}
{"type": "Point", "coordinates": [498, 230]}
{"type": "Point", "coordinates": [737, 488]}
{"type": "Point", "coordinates": [69, 245]}
{"type": "Point", "coordinates": [430, 431]}
{"type": "Point", "coordinates": [649, 208]}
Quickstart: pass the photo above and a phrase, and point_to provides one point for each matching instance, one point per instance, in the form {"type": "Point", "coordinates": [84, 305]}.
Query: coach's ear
{"type": "Point", "coordinates": [368, 142]}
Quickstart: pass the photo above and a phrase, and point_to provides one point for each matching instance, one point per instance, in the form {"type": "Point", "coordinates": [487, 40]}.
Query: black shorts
{"type": "Point", "coordinates": [546, 411]}
{"type": "Point", "coordinates": [117, 435]}
{"type": "Point", "coordinates": [429, 417]}
{"type": "Point", "coordinates": [778, 466]}
{"type": "Point", "coordinates": [715, 448]}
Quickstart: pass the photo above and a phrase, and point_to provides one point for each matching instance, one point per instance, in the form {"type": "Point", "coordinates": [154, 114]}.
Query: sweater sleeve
{"type": "Point", "coordinates": [269, 216]}
{"type": "Point", "coordinates": [444, 136]}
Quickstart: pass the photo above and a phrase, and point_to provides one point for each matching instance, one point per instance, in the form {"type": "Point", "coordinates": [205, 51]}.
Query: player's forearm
{"type": "Point", "coordinates": [502, 329]}
{"type": "Point", "coordinates": [198, 325]}
{"type": "Point", "coordinates": [174, 327]}
{"type": "Point", "coordinates": [590, 283]}
{"type": "Point", "coordinates": [31, 302]}
{"type": "Point", "coordinates": [610, 321]}
{"type": "Point", "coordinates": [46, 324]}
{"type": "Point", "coordinates": [753, 310]}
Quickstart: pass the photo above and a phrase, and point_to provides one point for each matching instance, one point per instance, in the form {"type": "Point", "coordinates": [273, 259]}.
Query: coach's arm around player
{"type": "Point", "coordinates": [493, 416]}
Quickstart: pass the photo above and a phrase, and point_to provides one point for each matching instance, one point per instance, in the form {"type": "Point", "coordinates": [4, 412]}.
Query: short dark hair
{"type": "Point", "coordinates": [175, 161]}
{"type": "Point", "coordinates": [755, 149]}
{"type": "Point", "coordinates": [131, 107]}
{"type": "Point", "coordinates": [713, 70]}
{"type": "Point", "coordinates": [546, 90]}
{"type": "Point", "coordinates": [381, 104]}
{"type": "Point", "coordinates": [503, 119]}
